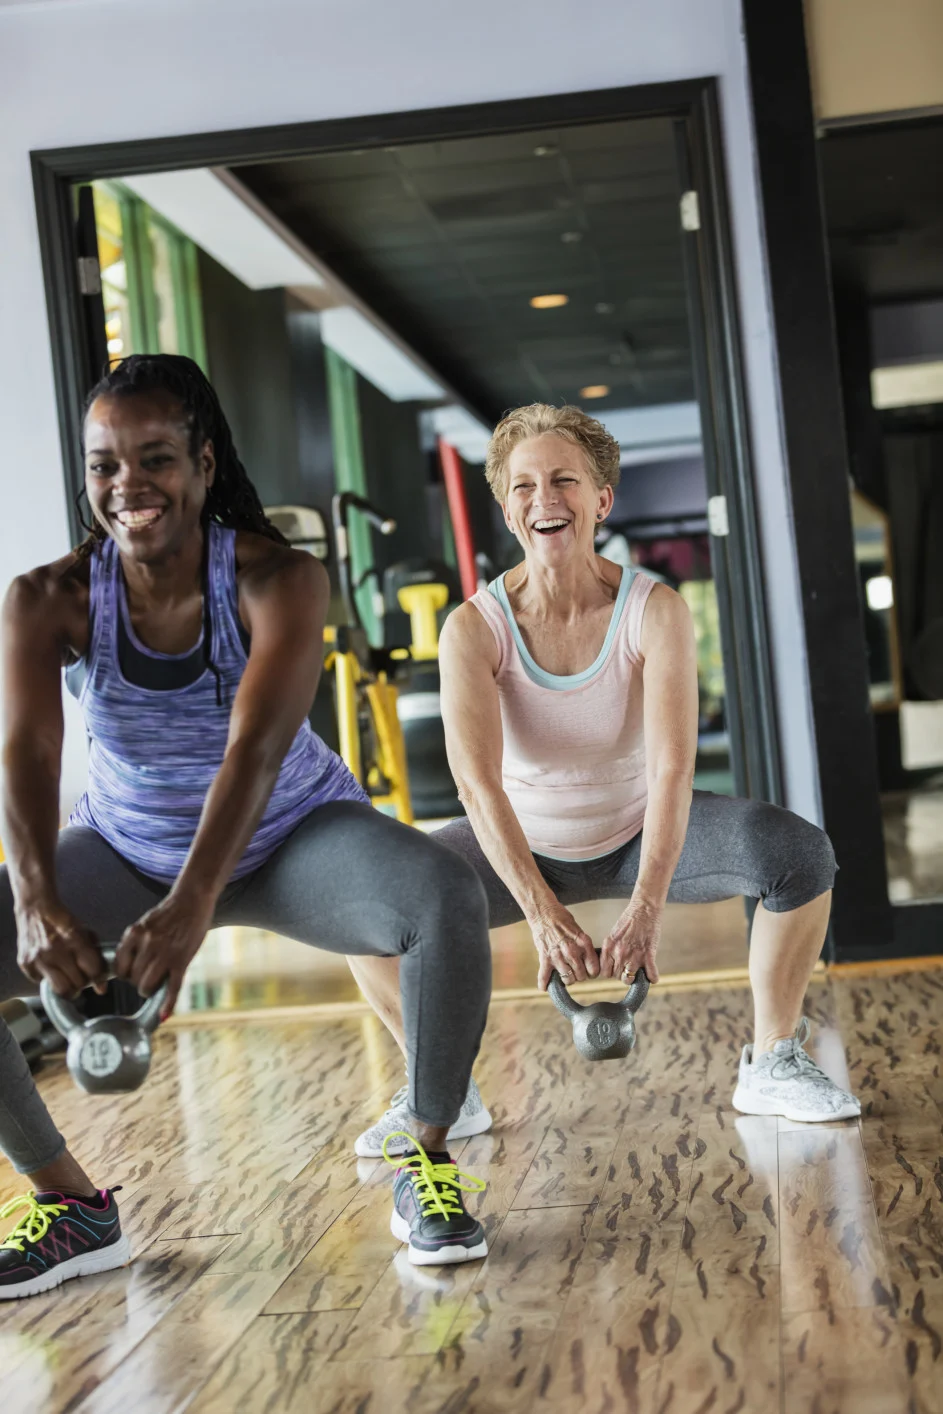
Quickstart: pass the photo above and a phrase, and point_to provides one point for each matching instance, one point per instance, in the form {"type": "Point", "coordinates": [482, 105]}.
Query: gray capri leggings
{"type": "Point", "coordinates": [732, 847]}
{"type": "Point", "coordinates": [349, 880]}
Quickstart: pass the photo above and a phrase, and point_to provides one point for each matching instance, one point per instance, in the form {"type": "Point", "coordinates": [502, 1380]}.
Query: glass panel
{"type": "Point", "coordinates": [712, 771]}
{"type": "Point", "coordinates": [114, 273]}
{"type": "Point", "coordinates": [873, 558]}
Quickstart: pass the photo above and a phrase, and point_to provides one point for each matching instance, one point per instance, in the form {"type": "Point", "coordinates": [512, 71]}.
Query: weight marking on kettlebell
{"type": "Point", "coordinates": [101, 1054]}
{"type": "Point", "coordinates": [600, 1030]}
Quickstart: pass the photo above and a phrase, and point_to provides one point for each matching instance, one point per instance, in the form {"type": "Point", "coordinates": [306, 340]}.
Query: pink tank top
{"type": "Point", "coordinates": [574, 754]}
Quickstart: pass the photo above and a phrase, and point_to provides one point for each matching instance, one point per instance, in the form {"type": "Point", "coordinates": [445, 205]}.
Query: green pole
{"type": "Point", "coordinates": [350, 475]}
{"type": "Point", "coordinates": [448, 537]}
{"type": "Point", "coordinates": [188, 303]}
{"type": "Point", "coordinates": [193, 302]}
{"type": "Point", "coordinates": [142, 301]}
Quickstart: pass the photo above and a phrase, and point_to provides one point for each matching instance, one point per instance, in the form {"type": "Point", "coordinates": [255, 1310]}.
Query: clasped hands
{"type": "Point", "coordinates": [159, 946]}
{"type": "Point", "coordinates": [562, 945]}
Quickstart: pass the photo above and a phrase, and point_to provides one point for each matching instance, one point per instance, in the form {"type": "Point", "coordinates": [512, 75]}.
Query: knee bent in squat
{"type": "Point", "coordinates": [796, 860]}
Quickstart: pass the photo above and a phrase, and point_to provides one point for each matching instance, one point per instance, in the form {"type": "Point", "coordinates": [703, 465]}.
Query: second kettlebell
{"type": "Point", "coordinates": [105, 1053]}
{"type": "Point", "coordinates": [602, 1030]}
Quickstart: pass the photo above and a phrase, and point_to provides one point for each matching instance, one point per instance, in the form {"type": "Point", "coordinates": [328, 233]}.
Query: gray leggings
{"type": "Point", "coordinates": [732, 847]}
{"type": "Point", "coordinates": [350, 880]}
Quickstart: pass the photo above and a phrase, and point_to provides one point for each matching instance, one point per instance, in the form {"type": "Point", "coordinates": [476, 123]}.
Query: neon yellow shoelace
{"type": "Point", "coordinates": [435, 1184]}
{"type": "Point", "coordinates": [34, 1225]}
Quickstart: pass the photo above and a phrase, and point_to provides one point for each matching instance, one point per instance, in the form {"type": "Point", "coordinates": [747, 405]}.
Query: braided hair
{"type": "Point", "coordinates": [231, 501]}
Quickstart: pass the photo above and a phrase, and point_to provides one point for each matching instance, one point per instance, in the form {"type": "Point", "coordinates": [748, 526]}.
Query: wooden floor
{"type": "Point", "coordinates": [650, 1250]}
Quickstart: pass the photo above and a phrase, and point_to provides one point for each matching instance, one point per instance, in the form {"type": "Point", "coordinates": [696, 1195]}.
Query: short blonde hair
{"type": "Point", "coordinates": [598, 446]}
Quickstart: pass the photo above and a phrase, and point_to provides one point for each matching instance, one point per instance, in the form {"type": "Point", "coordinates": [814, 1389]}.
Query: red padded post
{"type": "Point", "coordinates": [461, 521]}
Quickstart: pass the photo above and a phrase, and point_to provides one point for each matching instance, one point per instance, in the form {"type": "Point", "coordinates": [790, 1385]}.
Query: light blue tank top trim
{"type": "Point", "coordinates": [563, 682]}
{"type": "Point", "coordinates": [154, 753]}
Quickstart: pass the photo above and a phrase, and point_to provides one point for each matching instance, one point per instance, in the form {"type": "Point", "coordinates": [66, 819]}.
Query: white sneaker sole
{"type": "Point", "coordinates": [467, 1128]}
{"type": "Point", "coordinates": [749, 1104]}
{"type": "Point", "coordinates": [445, 1256]}
{"type": "Point", "coordinates": [86, 1264]}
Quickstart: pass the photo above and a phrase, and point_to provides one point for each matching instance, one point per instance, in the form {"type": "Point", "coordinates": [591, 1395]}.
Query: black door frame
{"type": "Point", "coordinates": [865, 924]}
{"type": "Point", "coordinates": [712, 297]}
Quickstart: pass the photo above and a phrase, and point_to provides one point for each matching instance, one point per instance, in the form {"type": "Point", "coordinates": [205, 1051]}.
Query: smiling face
{"type": "Point", "coordinates": [144, 485]}
{"type": "Point", "coordinates": [553, 505]}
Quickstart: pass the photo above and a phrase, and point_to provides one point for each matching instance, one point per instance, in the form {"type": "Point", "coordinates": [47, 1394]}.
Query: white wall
{"type": "Point", "coordinates": [75, 71]}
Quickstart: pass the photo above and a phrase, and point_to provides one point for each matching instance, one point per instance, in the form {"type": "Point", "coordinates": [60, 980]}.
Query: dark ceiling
{"type": "Point", "coordinates": [448, 241]}
{"type": "Point", "coordinates": [883, 190]}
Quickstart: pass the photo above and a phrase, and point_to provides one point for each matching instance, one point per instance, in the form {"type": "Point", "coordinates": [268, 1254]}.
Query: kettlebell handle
{"type": "Point", "coordinates": [66, 1017]}
{"type": "Point", "coordinates": [638, 991]}
{"type": "Point", "coordinates": [569, 1006]}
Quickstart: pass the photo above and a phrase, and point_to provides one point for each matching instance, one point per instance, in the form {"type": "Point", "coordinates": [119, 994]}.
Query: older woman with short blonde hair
{"type": "Point", "coordinates": [570, 703]}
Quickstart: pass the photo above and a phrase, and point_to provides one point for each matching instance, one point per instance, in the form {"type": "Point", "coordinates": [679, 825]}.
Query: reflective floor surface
{"type": "Point", "coordinates": [650, 1249]}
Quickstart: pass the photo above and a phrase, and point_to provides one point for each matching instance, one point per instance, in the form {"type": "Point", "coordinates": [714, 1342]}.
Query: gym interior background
{"type": "Point", "coordinates": [379, 301]}
{"type": "Point", "coordinates": [356, 305]}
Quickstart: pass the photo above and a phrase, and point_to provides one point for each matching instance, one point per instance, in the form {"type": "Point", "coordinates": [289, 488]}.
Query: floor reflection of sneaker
{"type": "Point", "coordinates": [473, 1119]}
{"type": "Point", "coordinates": [58, 1238]}
{"type": "Point", "coordinates": [428, 1208]}
{"type": "Point", "coordinates": [786, 1081]}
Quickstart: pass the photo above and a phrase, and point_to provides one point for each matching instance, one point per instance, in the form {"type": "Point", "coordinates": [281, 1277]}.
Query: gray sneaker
{"type": "Point", "coordinates": [786, 1081]}
{"type": "Point", "coordinates": [473, 1119]}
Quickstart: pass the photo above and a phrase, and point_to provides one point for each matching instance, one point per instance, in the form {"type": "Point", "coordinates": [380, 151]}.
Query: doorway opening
{"type": "Point", "coordinates": [883, 193]}
{"type": "Point", "coordinates": [364, 293]}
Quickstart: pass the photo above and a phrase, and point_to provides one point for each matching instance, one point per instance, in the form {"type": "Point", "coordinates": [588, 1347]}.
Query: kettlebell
{"type": "Point", "coordinates": [105, 1053]}
{"type": "Point", "coordinates": [602, 1030]}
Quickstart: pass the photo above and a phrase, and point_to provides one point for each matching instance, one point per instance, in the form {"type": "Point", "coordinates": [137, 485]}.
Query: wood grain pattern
{"type": "Point", "coordinates": [832, 1255]}
{"type": "Point", "coordinates": [651, 1250]}
{"type": "Point", "coordinates": [275, 1367]}
{"type": "Point", "coordinates": [844, 1360]}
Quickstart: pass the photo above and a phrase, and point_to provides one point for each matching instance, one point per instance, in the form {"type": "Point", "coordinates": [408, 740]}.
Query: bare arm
{"type": "Point", "coordinates": [51, 942]}
{"type": "Point", "coordinates": [285, 601]}
{"type": "Point", "coordinates": [669, 677]}
{"type": "Point", "coordinates": [471, 715]}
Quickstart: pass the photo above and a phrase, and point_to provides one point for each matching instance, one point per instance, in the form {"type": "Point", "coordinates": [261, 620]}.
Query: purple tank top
{"type": "Point", "coordinates": [153, 754]}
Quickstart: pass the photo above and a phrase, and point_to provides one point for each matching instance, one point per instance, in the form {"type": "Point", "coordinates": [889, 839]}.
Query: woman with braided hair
{"type": "Point", "coordinates": [192, 637]}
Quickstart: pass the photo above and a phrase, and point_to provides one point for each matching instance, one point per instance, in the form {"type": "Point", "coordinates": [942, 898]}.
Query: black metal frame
{"type": "Point", "coordinates": [864, 925]}
{"type": "Point", "coordinates": [712, 298]}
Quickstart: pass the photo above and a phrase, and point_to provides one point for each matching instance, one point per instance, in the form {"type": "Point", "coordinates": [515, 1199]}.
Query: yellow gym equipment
{"type": "Point", "coordinates": [370, 738]}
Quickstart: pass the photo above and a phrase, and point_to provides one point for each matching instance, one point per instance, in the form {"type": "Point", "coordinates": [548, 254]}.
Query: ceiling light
{"type": "Point", "coordinates": [907, 385]}
{"type": "Point", "coordinates": [382, 362]}
{"type": "Point", "coordinates": [203, 207]}
{"type": "Point", "coordinates": [547, 149]}
{"type": "Point", "coordinates": [603, 308]}
{"type": "Point", "coordinates": [880, 592]}
{"type": "Point", "coordinates": [571, 237]}
{"type": "Point", "coordinates": [594, 390]}
{"type": "Point", "coordinates": [549, 301]}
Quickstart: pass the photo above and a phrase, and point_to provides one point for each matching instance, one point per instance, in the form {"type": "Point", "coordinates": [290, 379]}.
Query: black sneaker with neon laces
{"type": "Point", "coordinates": [428, 1208]}
{"type": "Point", "coordinates": [58, 1237]}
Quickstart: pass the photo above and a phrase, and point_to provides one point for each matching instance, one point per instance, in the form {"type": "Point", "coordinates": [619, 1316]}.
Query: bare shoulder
{"type": "Point", "coordinates": [466, 636]}
{"type": "Point", "coordinates": [666, 621]}
{"type": "Point", "coordinates": [52, 599]}
{"type": "Point", "coordinates": [264, 565]}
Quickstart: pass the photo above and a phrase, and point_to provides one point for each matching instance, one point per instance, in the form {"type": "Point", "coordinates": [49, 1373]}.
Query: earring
{"type": "Point", "coordinates": [599, 517]}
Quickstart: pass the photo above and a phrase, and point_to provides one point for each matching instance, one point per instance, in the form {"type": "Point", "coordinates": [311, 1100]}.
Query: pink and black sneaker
{"type": "Point", "coordinates": [59, 1237]}
{"type": "Point", "coordinates": [428, 1209]}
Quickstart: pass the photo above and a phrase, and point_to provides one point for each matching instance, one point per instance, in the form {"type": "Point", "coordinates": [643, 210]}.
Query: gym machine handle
{"type": "Point", "coordinates": [341, 505]}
